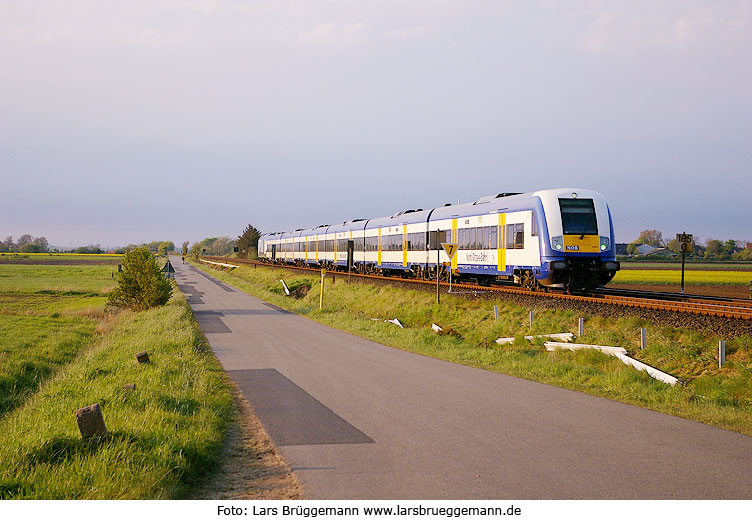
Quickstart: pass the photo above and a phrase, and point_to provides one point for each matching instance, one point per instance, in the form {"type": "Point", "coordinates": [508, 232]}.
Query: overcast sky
{"type": "Point", "coordinates": [134, 121]}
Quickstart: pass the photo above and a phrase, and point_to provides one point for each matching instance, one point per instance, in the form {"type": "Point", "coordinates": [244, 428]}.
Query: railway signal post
{"type": "Point", "coordinates": [686, 246]}
{"type": "Point", "coordinates": [451, 251]}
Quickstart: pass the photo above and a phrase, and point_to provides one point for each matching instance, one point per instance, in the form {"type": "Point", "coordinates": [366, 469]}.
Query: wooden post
{"type": "Point", "coordinates": [438, 274]}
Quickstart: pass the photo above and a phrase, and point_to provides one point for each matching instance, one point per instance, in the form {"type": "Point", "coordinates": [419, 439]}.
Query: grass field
{"type": "Point", "coordinates": [722, 397]}
{"type": "Point", "coordinates": [62, 351]}
{"type": "Point", "coordinates": [691, 277]}
{"type": "Point", "coordinates": [58, 279]}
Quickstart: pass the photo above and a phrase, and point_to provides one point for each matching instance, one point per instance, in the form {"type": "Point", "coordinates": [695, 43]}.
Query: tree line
{"type": "Point", "coordinates": [245, 246]}
{"type": "Point", "coordinates": [737, 250]}
{"type": "Point", "coordinates": [27, 244]}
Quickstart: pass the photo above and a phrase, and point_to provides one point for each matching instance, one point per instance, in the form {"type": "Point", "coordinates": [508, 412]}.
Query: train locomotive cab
{"type": "Point", "coordinates": [580, 252]}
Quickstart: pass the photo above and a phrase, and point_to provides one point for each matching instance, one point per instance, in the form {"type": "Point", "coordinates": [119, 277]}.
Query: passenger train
{"type": "Point", "coordinates": [556, 237]}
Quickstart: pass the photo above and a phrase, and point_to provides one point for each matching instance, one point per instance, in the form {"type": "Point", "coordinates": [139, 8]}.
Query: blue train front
{"type": "Point", "coordinates": [556, 237]}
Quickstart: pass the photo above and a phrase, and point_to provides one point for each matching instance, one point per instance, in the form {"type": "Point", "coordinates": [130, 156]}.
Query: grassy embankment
{"type": "Point", "coordinates": [719, 397]}
{"type": "Point", "coordinates": [62, 351]}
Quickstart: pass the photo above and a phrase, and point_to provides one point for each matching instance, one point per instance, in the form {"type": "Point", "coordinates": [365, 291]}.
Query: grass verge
{"type": "Point", "coordinates": [164, 436]}
{"type": "Point", "coordinates": [721, 397]}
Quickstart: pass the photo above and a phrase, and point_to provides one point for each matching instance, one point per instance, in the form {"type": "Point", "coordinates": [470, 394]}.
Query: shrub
{"type": "Point", "coordinates": [141, 285]}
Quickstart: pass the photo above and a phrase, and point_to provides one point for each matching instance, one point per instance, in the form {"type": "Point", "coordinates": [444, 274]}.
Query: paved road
{"type": "Point", "coordinates": [356, 419]}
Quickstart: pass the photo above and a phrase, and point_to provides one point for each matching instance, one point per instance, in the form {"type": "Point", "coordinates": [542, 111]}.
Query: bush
{"type": "Point", "coordinates": [141, 285]}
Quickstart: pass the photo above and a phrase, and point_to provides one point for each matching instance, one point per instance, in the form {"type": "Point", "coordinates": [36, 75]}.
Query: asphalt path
{"type": "Point", "coordinates": [356, 419]}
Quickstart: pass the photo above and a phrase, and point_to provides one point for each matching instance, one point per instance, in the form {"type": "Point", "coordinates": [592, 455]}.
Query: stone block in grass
{"type": "Point", "coordinates": [90, 421]}
{"type": "Point", "coordinates": [142, 358]}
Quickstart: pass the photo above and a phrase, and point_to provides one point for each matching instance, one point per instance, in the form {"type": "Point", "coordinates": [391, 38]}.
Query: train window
{"type": "Point", "coordinates": [578, 216]}
{"type": "Point", "coordinates": [515, 236]}
{"type": "Point", "coordinates": [433, 240]}
{"type": "Point", "coordinates": [492, 242]}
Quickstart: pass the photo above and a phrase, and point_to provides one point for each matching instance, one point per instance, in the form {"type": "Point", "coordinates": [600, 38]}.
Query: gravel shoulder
{"type": "Point", "coordinates": [251, 468]}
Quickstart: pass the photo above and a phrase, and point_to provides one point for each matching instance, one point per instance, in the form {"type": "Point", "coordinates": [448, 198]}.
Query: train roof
{"type": "Point", "coordinates": [493, 203]}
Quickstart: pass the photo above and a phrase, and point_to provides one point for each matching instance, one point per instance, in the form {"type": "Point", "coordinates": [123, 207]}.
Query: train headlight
{"type": "Point", "coordinates": [605, 243]}
{"type": "Point", "coordinates": [557, 242]}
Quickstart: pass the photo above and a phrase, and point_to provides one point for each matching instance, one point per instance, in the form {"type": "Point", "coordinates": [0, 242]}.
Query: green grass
{"type": "Point", "coordinates": [10, 257]}
{"type": "Point", "coordinates": [691, 277]}
{"type": "Point", "coordinates": [49, 304]}
{"type": "Point", "coordinates": [33, 348]}
{"type": "Point", "coordinates": [57, 279]}
{"type": "Point", "coordinates": [164, 436]}
{"type": "Point", "coordinates": [719, 397]}
{"type": "Point", "coordinates": [60, 351]}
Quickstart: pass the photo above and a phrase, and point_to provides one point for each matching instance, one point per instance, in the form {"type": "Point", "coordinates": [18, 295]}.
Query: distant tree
{"type": "Point", "coordinates": [4, 248]}
{"type": "Point", "coordinates": [91, 249]}
{"type": "Point", "coordinates": [29, 248]}
{"type": "Point", "coordinates": [141, 285]}
{"type": "Point", "coordinates": [25, 239]}
{"type": "Point", "coordinates": [185, 248]}
{"type": "Point", "coordinates": [742, 255]}
{"type": "Point", "coordinates": [248, 242]}
{"type": "Point", "coordinates": [651, 237]}
{"type": "Point", "coordinates": [217, 246]}
{"type": "Point", "coordinates": [712, 248]}
{"type": "Point", "coordinates": [674, 245]}
{"type": "Point", "coordinates": [9, 243]}
{"type": "Point", "coordinates": [165, 247]}
{"type": "Point", "coordinates": [44, 245]}
{"type": "Point", "coordinates": [632, 248]}
{"type": "Point", "coordinates": [728, 247]}
{"type": "Point", "coordinates": [196, 250]}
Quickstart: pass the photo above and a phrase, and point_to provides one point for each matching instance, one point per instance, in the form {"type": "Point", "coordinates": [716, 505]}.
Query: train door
{"type": "Point", "coordinates": [274, 253]}
{"type": "Point", "coordinates": [350, 253]}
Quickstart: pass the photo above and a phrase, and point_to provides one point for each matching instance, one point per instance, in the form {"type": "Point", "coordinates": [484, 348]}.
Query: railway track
{"type": "Point", "coordinates": [663, 301]}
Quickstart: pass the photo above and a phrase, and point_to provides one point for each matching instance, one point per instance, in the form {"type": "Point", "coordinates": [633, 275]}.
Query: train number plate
{"type": "Point", "coordinates": [573, 247]}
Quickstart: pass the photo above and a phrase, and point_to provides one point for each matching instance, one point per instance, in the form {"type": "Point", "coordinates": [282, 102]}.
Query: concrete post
{"type": "Point", "coordinates": [581, 329]}
{"type": "Point", "coordinates": [643, 338]}
{"type": "Point", "coordinates": [496, 312]}
{"type": "Point", "coordinates": [721, 353]}
{"type": "Point", "coordinates": [532, 316]}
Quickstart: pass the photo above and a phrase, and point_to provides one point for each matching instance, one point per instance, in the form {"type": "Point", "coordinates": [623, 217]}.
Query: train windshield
{"type": "Point", "coordinates": [578, 216]}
